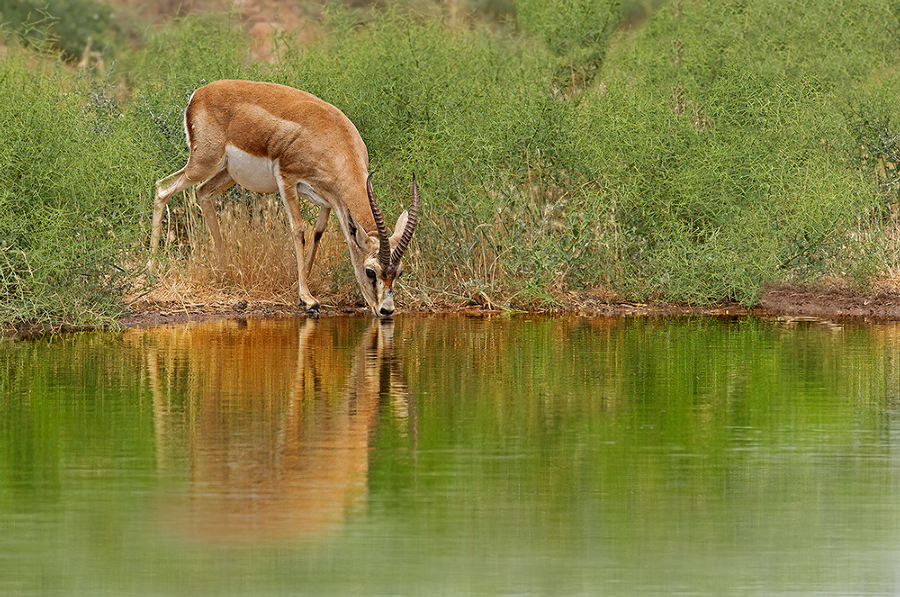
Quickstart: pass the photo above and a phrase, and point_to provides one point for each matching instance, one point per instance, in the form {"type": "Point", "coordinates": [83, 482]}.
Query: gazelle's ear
{"type": "Point", "coordinates": [358, 234]}
{"type": "Point", "coordinates": [399, 228]}
{"type": "Point", "coordinates": [364, 241]}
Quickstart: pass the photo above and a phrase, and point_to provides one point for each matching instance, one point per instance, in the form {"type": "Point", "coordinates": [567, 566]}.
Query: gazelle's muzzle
{"type": "Point", "coordinates": [386, 309]}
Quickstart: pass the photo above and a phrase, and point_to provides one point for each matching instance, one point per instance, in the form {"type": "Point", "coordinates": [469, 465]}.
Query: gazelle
{"type": "Point", "coordinates": [266, 138]}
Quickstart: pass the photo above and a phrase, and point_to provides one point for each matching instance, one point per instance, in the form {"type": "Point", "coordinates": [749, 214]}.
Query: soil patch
{"type": "Point", "coordinates": [835, 304]}
{"type": "Point", "coordinates": [838, 303]}
{"type": "Point", "coordinates": [777, 301]}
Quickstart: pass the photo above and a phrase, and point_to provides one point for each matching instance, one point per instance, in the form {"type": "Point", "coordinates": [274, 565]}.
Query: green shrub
{"type": "Point", "coordinates": [720, 133]}
{"type": "Point", "coordinates": [70, 177]}
{"type": "Point", "coordinates": [577, 32]}
{"type": "Point", "coordinates": [69, 25]}
{"type": "Point", "coordinates": [718, 148]}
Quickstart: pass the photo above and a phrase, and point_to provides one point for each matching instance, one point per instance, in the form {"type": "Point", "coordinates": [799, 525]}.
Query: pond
{"type": "Point", "coordinates": [450, 455]}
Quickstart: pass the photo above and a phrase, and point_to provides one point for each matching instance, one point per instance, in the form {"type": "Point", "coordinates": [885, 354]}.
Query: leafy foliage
{"type": "Point", "coordinates": [721, 136]}
{"type": "Point", "coordinates": [69, 25]}
{"type": "Point", "coordinates": [715, 149]}
{"type": "Point", "coordinates": [68, 219]}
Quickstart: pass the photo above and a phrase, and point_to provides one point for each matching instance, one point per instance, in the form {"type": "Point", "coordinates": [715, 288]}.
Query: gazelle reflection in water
{"type": "Point", "coordinates": [271, 429]}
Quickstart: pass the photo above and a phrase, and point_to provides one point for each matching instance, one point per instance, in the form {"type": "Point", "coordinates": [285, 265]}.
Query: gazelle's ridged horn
{"type": "Point", "coordinates": [384, 245]}
{"type": "Point", "coordinates": [410, 225]}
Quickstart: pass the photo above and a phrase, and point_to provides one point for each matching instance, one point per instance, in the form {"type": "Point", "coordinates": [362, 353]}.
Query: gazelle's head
{"type": "Point", "coordinates": [382, 265]}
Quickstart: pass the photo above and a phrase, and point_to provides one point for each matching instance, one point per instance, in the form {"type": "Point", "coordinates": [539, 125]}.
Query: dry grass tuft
{"type": "Point", "coordinates": [259, 264]}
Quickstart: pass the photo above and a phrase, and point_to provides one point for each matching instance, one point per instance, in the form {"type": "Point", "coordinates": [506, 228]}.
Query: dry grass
{"type": "Point", "coordinates": [259, 264]}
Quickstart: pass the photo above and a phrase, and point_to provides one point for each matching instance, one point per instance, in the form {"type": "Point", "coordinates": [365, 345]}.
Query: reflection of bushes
{"type": "Point", "coordinates": [69, 25]}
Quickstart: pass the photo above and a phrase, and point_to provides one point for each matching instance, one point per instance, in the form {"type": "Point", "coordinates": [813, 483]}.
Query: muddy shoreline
{"type": "Point", "coordinates": [778, 301]}
{"type": "Point", "coordinates": [834, 304]}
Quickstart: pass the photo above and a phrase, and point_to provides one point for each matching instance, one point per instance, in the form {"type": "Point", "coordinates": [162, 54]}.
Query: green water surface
{"type": "Point", "coordinates": [443, 455]}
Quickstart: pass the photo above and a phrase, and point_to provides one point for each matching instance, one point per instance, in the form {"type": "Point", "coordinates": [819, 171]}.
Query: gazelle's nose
{"type": "Point", "coordinates": [387, 304]}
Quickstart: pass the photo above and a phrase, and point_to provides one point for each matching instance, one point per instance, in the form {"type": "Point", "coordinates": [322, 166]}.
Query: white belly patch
{"type": "Point", "coordinates": [252, 172]}
{"type": "Point", "coordinates": [259, 174]}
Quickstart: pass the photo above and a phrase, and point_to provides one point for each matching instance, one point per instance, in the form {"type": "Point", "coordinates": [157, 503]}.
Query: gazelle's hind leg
{"type": "Point", "coordinates": [165, 190]}
{"type": "Point", "coordinates": [206, 197]}
{"type": "Point", "coordinates": [206, 162]}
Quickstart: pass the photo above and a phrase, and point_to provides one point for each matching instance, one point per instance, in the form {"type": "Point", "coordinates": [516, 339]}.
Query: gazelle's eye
{"type": "Point", "coordinates": [370, 272]}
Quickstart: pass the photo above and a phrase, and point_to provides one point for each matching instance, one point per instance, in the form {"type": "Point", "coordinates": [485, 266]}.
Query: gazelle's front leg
{"type": "Point", "coordinates": [321, 224]}
{"type": "Point", "coordinates": [295, 218]}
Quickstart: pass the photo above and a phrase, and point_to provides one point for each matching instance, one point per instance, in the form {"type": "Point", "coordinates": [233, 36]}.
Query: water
{"type": "Point", "coordinates": [453, 456]}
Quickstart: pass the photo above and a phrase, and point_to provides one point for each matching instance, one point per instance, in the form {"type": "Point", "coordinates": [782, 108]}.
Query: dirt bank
{"type": "Point", "coordinates": [776, 301]}
{"type": "Point", "coordinates": [831, 303]}
{"type": "Point", "coordinates": [779, 301]}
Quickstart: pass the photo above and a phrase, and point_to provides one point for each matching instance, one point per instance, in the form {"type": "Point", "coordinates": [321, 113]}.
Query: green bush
{"type": "Point", "coordinates": [720, 134]}
{"type": "Point", "coordinates": [577, 32]}
{"type": "Point", "coordinates": [717, 148]}
{"type": "Point", "coordinates": [69, 25]}
{"type": "Point", "coordinates": [70, 178]}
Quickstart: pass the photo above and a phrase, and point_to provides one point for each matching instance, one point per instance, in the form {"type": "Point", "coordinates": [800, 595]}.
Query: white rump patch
{"type": "Point", "coordinates": [253, 173]}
